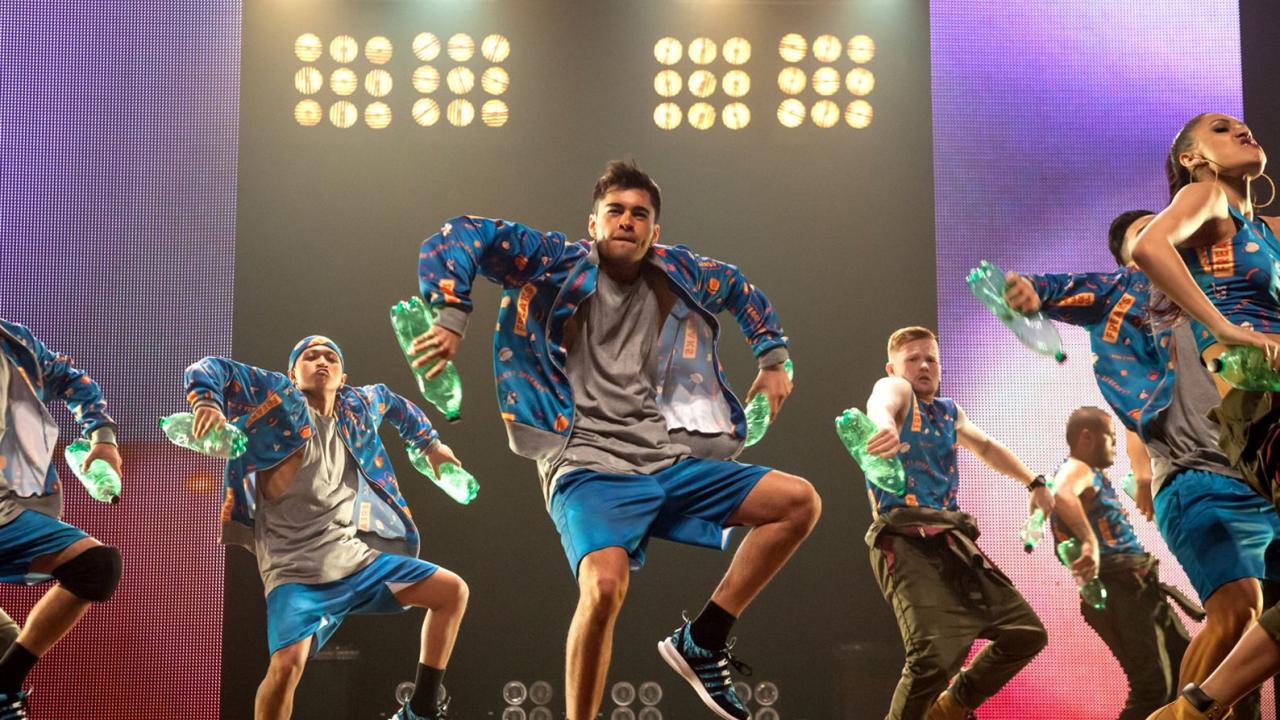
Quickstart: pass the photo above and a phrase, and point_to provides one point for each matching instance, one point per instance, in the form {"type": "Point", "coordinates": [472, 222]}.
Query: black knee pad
{"type": "Point", "coordinates": [92, 575]}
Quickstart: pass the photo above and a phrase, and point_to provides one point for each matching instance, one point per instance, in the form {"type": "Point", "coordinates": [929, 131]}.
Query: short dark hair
{"type": "Point", "coordinates": [1086, 418]}
{"type": "Point", "coordinates": [1120, 226]}
{"type": "Point", "coordinates": [625, 175]}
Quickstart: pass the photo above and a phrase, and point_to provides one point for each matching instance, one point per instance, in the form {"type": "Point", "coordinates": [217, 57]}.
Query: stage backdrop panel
{"type": "Point", "coordinates": [117, 222]}
{"type": "Point", "coordinates": [1050, 119]}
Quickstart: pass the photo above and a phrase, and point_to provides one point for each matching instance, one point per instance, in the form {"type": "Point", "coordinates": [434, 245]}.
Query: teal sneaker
{"type": "Point", "coordinates": [707, 671]}
{"type": "Point", "coordinates": [407, 713]}
{"type": "Point", "coordinates": [13, 706]}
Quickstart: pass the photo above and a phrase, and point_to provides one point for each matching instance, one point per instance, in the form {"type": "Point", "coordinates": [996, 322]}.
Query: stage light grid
{"type": "Point", "coordinates": [716, 84]}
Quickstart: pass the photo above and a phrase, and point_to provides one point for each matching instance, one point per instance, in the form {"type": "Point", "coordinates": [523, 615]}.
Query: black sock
{"type": "Point", "coordinates": [710, 630]}
{"type": "Point", "coordinates": [14, 666]}
{"type": "Point", "coordinates": [1197, 697]}
{"type": "Point", "coordinates": [425, 687]}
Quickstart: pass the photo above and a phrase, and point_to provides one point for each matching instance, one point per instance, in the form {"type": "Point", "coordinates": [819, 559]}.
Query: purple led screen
{"type": "Point", "coordinates": [117, 232]}
{"type": "Point", "coordinates": [1050, 118]}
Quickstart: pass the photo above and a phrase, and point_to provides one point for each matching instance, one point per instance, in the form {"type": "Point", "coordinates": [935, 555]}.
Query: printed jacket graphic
{"type": "Point", "coordinates": [50, 376]}
{"type": "Point", "coordinates": [1131, 363]}
{"type": "Point", "coordinates": [545, 279]}
{"type": "Point", "coordinates": [272, 412]}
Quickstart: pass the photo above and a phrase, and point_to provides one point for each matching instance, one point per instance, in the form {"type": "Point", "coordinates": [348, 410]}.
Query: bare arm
{"type": "Point", "coordinates": [1000, 458]}
{"type": "Point", "coordinates": [1140, 464]}
{"type": "Point", "coordinates": [1074, 478]}
{"type": "Point", "coordinates": [887, 408]}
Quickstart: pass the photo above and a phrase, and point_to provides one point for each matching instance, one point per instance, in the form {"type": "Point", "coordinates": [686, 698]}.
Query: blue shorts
{"type": "Point", "coordinates": [27, 537]}
{"type": "Point", "coordinates": [690, 502]}
{"type": "Point", "coordinates": [296, 611]}
{"type": "Point", "coordinates": [1219, 529]}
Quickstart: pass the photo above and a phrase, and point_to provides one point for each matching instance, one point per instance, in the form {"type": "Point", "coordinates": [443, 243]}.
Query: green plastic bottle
{"type": "Point", "coordinates": [1034, 330]}
{"type": "Point", "coordinates": [101, 481]}
{"type": "Point", "coordinates": [227, 442]}
{"type": "Point", "coordinates": [1246, 368]}
{"type": "Point", "coordinates": [409, 319]}
{"type": "Point", "coordinates": [1093, 592]}
{"type": "Point", "coordinates": [854, 429]}
{"type": "Point", "coordinates": [456, 482]}
{"type": "Point", "coordinates": [1032, 531]}
{"type": "Point", "coordinates": [758, 412]}
{"type": "Point", "coordinates": [1129, 484]}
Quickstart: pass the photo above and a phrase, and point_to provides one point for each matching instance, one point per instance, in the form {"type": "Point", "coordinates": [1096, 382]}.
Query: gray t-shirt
{"type": "Point", "coordinates": [306, 535]}
{"type": "Point", "coordinates": [612, 364]}
{"type": "Point", "coordinates": [1182, 437]}
{"type": "Point", "coordinates": [27, 437]}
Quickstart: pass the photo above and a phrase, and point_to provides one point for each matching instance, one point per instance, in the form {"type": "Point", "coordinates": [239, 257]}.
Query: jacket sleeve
{"type": "Point", "coordinates": [83, 397]}
{"type": "Point", "coordinates": [507, 253]}
{"type": "Point", "coordinates": [1076, 298]}
{"type": "Point", "coordinates": [233, 387]}
{"type": "Point", "coordinates": [408, 419]}
{"type": "Point", "coordinates": [723, 287]}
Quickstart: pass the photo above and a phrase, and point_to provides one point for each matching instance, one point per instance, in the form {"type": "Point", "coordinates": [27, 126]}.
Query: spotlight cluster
{"type": "Point", "coordinates": [825, 81]}
{"type": "Point", "coordinates": [460, 80]}
{"type": "Point", "coordinates": [702, 83]}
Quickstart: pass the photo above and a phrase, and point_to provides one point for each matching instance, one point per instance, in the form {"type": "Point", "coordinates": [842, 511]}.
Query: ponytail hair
{"type": "Point", "coordinates": [1178, 175]}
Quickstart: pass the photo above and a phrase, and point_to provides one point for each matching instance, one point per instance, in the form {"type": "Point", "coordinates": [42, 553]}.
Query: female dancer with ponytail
{"type": "Point", "coordinates": [1209, 254]}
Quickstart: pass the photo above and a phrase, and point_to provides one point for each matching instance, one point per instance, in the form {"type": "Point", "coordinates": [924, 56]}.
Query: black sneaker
{"type": "Point", "coordinates": [707, 671]}
{"type": "Point", "coordinates": [13, 706]}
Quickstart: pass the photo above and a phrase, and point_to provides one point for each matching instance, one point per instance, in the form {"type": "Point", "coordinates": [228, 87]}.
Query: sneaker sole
{"type": "Point", "coordinates": [668, 651]}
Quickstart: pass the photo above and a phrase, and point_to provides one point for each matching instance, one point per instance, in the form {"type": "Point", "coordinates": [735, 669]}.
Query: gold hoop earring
{"type": "Point", "coordinates": [1273, 192]}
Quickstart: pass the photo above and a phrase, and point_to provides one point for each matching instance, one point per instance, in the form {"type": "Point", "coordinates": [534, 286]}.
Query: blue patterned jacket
{"type": "Point", "coordinates": [1131, 363]}
{"type": "Point", "coordinates": [272, 412]}
{"type": "Point", "coordinates": [53, 377]}
{"type": "Point", "coordinates": [545, 278]}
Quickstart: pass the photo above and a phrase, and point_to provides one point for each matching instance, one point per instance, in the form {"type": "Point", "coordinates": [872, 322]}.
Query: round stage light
{"type": "Point", "coordinates": [541, 692]}
{"type": "Point", "coordinates": [861, 49]}
{"type": "Point", "coordinates": [308, 113]}
{"type": "Point", "coordinates": [668, 51]}
{"type": "Point", "coordinates": [858, 114]}
{"type": "Point", "coordinates": [737, 51]}
{"type": "Point", "coordinates": [378, 50]}
{"type": "Point", "coordinates": [826, 81]}
{"type": "Point", "coordinates": [668, 83]}
{"type": "Point", "coordinates": [460, 112]}
{"type": "Point", "coordinates": [343, 48]}
{"type": "Point", "coordinates": [377, 115]}
{"type": "Point", "coordinates": [426, 47]}
{"type": "Point", "coordinates": [514, 692]}
{"type": "Point", "coordinates": [460, 80]}
{"type": "Point", "coordinates": [702, 116]}
{"type": "Point", "coordinates": [827, 48]}
{"type": "Point", "coordinates": [735, 116]}
{"type": "Point", "coordinates": [308, 81]}
{"type": "Point", "coordinates": [426, 79]}
{"type": "Point", "coordinates": [461, 47]}
{"type": "Point", "coordinates": [649, 713]}
{"type": "Point", "coordinates": [736, 83]}
{"type": "Point", "coordinates": [541, 713]}
{"type": "Point", "coordinates": [791, 113]}
{"type": "Point", "coordinates": [622, 693]}
{"type": "Point", "coordinates": [622, 713]}
{"type": "Point", "coordinates": [426, 112]}
{"type": "Point", "coordinates": [793, 47]}
{"type": "Point", "coordinates": [825, 114]}
{"type": "Point", "coordinates": [743, 691]}
{"type": "Point", "coordinates": [765, 713]}
{"type": "Point", "coordinates": [702, 83]}
{"type": "Point", "coordinates": [667, 116]}
{"type": "Point", "coordinates": [342, 114]}
{"type": "Point", "coordinates": [343, 81]}
{"type": "Point", "coordinates": [495, 48]}
{"type": "Point", "coordinates": [495, 81]}
{"type": "Point", "coordinates": [860, 81]}
{"type": "Point", "coordinates": [702, 51]}
{"type": "Point", "coordinates": [377, 82]}
{"type": "Point", "coordinates": [766, 693]}
{"type": "Point", "coordinates": [514, 713]}
{"type": "Point", "coordinates": [792, 80]}
{"type": "Point", "coordinates": [494, 113]}
{"type": "Point", "coordinates": [308, 47]}
{"type": "Point", "coordinates": [650, 692]}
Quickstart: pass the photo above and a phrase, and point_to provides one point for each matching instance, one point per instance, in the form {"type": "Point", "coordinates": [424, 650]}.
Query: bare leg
{"type": "Point", "coordinates": [275, 695]}
{"type": "Point", "coordinates": [444, 595]}
{"type": "Point", "coordinates": [781, 510]}
{"type": "Point", "coordinates": [1231, 609]}
{"type": "Point", "coordinates": [602, 585]}
{"type": "Point", "coordinates": [1254, 659]}
{"type": "Point", "coordinates": [58, 611]}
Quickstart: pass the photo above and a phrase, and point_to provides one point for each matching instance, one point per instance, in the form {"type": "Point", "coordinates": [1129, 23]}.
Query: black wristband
{"type": "Point", "coordinates": [1037, 483]}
